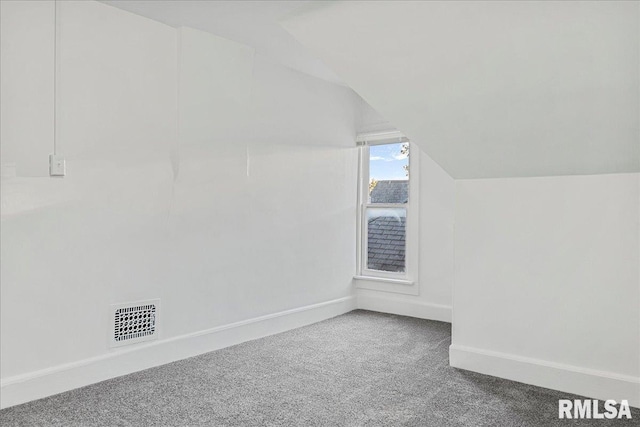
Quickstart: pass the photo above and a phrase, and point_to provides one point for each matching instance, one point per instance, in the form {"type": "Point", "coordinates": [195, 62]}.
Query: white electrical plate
{"type": "Point", "coordinates": [57, 165]}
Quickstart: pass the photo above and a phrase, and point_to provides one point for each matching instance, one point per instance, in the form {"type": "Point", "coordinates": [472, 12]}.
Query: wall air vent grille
{"type": "Point", "coordinates": [134, 322]}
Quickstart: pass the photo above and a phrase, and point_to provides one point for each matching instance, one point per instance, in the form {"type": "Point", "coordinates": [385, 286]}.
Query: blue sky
{"type": "Point", "coordinates": [386, 162]}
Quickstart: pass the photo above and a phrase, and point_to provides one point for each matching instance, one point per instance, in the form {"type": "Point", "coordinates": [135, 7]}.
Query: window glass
{"type": "Point", "coordinates": [386, 236]}
{"type": "Point", "coordinates": [389, 173]}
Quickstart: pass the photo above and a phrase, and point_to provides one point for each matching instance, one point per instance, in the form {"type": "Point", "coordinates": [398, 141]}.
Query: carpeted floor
{"type": "Point", "coordinates": [358, 369]}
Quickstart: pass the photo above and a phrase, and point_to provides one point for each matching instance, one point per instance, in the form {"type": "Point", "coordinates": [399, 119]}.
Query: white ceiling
{"type": "Point", "coordinates": [254, 23]}
{"type": "Point", "coordinates": [493, 89]}
{"type": "Point", "coordinates": [487, 89]}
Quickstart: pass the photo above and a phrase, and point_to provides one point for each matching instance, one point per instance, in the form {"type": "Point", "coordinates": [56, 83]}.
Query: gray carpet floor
{"type": "Point", "coordinates": [358, 369]}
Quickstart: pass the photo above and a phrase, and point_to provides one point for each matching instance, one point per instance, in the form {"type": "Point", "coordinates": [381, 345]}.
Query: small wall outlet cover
{"type": "Point", "coordinates": [57, 165]}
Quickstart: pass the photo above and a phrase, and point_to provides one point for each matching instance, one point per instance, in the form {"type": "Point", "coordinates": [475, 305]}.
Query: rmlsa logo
{"type": "Point", "coordinates": [588, 408]}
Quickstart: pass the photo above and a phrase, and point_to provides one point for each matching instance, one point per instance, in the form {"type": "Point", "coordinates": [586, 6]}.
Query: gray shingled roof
{"type": "Point", "coordinates": [386, 243]}
{"type": "Point", "coordinates": [390, 191]}
{"type": "Point", "coordinates": [386, 235]}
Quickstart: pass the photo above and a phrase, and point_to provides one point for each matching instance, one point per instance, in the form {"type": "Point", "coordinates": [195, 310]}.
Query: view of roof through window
{"type": "Point", "coordinates": [386, 227]}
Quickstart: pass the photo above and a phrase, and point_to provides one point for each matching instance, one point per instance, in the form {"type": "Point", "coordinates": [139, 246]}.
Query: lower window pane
{"type": "Point", "coordinates": [386, 236]}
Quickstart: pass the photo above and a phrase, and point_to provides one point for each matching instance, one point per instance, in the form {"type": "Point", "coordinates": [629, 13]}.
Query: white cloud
{"type": "Point", "coordinates": [372, 158]}
{"type": "Point", "coordinates": [400, 156]}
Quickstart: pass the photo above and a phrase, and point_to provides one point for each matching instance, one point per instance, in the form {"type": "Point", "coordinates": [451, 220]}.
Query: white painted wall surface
{"type": "Point", "coordinates": [26, 84]}
{"type": "Point", "coordinates": [73, 245]}
{"type": "Point", "coordinates": [264, 214]}
{"type": "Point", "coordinates": [244, 209]}
{"type": "Point", "coordinates": [547, 287]}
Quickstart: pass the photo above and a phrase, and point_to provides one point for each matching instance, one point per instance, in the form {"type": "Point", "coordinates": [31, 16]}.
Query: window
{"type": "Point", "coordinates": [387, 220]}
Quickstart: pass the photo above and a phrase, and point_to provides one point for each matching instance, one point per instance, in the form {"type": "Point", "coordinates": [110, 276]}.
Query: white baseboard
{"type": "Point", "coordinates": [389, 304]}
{"type": "Point", "coordinates": [566, 378]}
{"type": "Point", "coordinates": [35, 385]}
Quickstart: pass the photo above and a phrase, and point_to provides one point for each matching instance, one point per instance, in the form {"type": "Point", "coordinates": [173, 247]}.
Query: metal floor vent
{"type": "Point", "coordinates": [134, 322]}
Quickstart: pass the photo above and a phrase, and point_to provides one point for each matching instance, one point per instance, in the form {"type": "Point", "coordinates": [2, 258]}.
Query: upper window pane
{"type": "Point", "coordinates": [389, 173]}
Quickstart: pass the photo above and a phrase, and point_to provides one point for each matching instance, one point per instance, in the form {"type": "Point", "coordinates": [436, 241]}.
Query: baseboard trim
{"type": "Point", "coordinates": [566, 378]}
{"type": "Point", "coordinates": [403, 307]}
{"type": "Point", "coordinates": [36, 385]}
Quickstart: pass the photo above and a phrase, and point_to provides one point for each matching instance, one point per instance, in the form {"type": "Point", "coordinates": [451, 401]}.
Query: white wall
{"type": "Point", "coordinates": [547, 287]}
{"type": "Point", "coordinates": [26, 84]}
{"type": "Point", "coordinates": [72, 246]}
{"type": "Point", "coordinates": [229, 196]}
{"type": "Point", "coordinates": [264, 198]}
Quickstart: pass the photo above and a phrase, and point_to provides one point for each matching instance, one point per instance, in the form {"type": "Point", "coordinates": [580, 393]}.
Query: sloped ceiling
{"type": "Point", "coordinates": [493, 89]}
{"type": "Point", "coordinates": [254, 23]}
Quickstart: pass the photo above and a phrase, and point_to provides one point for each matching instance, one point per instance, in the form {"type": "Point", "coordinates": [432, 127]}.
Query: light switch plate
{"type": "Point", "coordinates": [57, 166]}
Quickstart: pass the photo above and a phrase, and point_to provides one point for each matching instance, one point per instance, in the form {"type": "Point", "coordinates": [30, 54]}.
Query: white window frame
{"type": "Point", "coordinates": [407, 281]}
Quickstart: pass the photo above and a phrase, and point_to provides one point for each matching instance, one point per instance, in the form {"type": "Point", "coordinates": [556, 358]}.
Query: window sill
{"type": "Point", "coordinates": [384, 280]}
